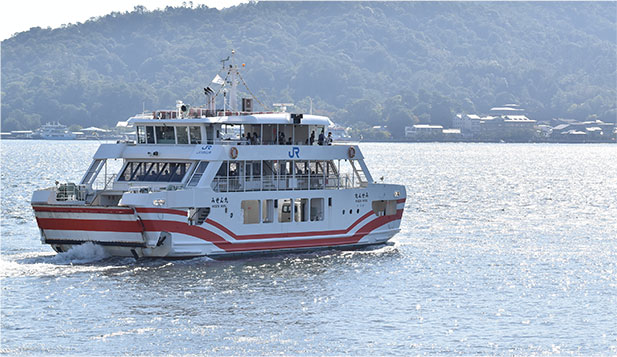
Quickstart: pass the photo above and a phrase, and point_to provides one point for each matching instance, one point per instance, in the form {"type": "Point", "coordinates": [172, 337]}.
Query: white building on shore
{"type": "Point", "coordinates": [505, 122]}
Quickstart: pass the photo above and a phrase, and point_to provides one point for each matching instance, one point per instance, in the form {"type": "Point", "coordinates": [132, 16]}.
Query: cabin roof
{"type": "Point", "coordinates": [257, 119]}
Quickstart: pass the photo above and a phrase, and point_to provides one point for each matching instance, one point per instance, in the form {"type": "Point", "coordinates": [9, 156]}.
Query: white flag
{"type": "Point", "coordinates": [218, 80]}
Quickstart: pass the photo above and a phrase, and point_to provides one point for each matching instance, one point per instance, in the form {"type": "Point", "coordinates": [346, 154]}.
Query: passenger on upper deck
{"type": "Point", "coordinates": [254, 139]}
{"type": "Point", "coordinates": [281, 138]}
{"type": "Point", "coordinates": [321, 138]}
{"type": "Point", "coordinates": [329, 139]}
{"type": "Point", "coordinates": [249, 140]}
{"type": "Point", "coordinates": [312, 140]}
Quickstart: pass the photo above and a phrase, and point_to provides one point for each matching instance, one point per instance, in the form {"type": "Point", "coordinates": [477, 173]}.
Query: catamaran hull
{"type": "Point", "coordinates": [165, 232]}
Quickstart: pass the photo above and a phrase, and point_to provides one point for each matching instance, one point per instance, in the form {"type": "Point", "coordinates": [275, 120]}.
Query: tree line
{"type": "Point", "coordinates": [362, 63]}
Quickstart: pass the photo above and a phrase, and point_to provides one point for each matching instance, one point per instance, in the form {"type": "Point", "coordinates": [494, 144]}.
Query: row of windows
{"type": "Point", "coordinates": [168, 135]}
{"type": "Point", "coordinates": [301, 210]}
{"type": "Point", "coordinates": [154, 171]}
{"type": "Point", "coordinates": [277, 167]}
{"type": "Point", "coordinates": [283, 210]}
{"type": "Point", "coordinates": [276, 175]}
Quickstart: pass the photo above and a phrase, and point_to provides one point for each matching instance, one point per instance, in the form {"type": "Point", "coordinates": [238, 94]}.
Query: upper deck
{"type": "Point", "coordinates": [257, 151]}
{"type": "Point", "coordinates": [244, 128]}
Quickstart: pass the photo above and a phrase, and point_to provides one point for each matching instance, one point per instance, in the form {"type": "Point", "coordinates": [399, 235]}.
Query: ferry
{"type": "Point", "coordinates": [54, 131]}
{"type": "Point", "coordinates": [201, 181]}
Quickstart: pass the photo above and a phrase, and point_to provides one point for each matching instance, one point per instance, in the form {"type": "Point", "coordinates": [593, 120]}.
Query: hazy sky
{"type": "Point", "coordinates": [21, 15]}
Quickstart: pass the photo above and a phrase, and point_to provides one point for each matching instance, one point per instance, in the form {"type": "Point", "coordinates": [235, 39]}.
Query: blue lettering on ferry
{"type": "Point", "coordinates": [295, 151]}
{"type": "Point", "coordinates": [207, 149]}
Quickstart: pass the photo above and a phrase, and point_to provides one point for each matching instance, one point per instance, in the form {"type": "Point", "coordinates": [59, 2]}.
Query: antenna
{"type": "Point", "coordinates": [224, 60]}
{"type": "Point", "coordinates": [233, 81]}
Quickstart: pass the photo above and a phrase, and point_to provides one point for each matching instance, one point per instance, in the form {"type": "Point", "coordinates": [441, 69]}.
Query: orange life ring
{"type": "Point", "coordinates": [351, 152]}
{"type": "Point", "coordinates": [233, 152]}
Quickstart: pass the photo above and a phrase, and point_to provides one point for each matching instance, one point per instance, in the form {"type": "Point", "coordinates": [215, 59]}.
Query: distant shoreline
{"type": "Point", "coordinates": [354, 142]}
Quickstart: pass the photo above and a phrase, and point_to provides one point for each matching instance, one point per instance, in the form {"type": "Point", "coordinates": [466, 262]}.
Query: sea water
{"type": "Point", "coordinates": [504, 249]}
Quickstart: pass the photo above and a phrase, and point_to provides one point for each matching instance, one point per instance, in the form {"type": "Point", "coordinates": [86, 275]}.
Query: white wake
{"type": "Point", "coordinates": [80, 254]}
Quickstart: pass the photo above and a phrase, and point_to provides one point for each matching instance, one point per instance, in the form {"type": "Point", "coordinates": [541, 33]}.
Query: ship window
{"type": "Point", "coordinates": [384, 208]}
{"type": "Point", "coordinates": [268, 211]}
{"type": "Point", "coordinates": [128, 171]}
{"type": "Point", "coordinates": [182, 134]}
{"type": "Point", "coordinates": [177, 171]}
{"type": "Point", "coordinates": [199, 171]}
{"type": "Point", "coordinates": [210, 134]}
{"type": "Point", "coordinates": [234, 177]}
{"type": "Point", "coordinates": [195, 134]}
{"type": "Point", "coordinates": [233, 168]}
{"type": "Point", "coordinates": [165, 135]}
{"type": "Point", "coordinates": [301, 210]}
{"type": "Point", "coordinates": [284, 210]}
{"type": "Point", "coordinates": [154, 171]}
{"type": "Point", "coordinates": [222, 170]}
{"type": "Point", "coordinates": [220, 181]}
{"type": "Point", "coordinates": [316, 174]}
{"type": "Point", "coordinates": [250, 210]}
{"type": "Point", "coordinates": [269, 181]}
{"type": "Point", "coordinates": [150, 134]}
{"type": "Point", "coordinates": [141, 134]}
{"type": "Point", "coordinates": [317, 211]}
{"type": "Point", "coordinates": [256, 172]}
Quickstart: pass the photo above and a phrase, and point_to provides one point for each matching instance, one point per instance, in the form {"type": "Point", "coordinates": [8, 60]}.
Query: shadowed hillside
{"type": "Point", "coordinates": [362, 63]}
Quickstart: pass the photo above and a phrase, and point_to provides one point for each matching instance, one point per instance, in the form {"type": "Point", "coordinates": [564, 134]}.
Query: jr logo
{"type": "Point", "coordinates": [295, 151]}
{"type": "Point", "coordinates": [205, 150]}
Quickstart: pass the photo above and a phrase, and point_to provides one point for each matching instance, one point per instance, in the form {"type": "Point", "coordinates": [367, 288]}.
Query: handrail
{"type": "Point", "coordinates": [70, 192]}
{"type": "Point", "coordinates": [282, 183]}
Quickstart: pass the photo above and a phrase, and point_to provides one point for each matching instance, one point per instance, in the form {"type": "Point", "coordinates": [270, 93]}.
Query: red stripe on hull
{"type": "Point", "coordinates": [289, 234]}
{"type": "Point", "coordinates": [209, 236]}
{"type": "Point", "coordinates": [63, 224]}
{"type": "Point", "coordinates": [160, 210]}
{"type": "Point", "coordinates": [83, 210]}
{"type": "Point", "coordinates": [307, 243]}
{"type": "Point", "coordinates": [220, 242]}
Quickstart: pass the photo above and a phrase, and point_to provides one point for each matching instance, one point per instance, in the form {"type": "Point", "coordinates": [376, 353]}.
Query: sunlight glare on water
{"type": "Point", "coordinates": [504, 249]}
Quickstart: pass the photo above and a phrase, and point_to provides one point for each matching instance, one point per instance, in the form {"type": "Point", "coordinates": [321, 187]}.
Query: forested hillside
{"type": "Point", "coordinates": [363, 63]}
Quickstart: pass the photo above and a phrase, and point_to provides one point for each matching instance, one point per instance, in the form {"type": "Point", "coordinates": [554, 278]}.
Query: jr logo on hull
{"type": "Point", "coordinates": [205, 150]}
{"type": "Point", "coordinates": [294, 152]}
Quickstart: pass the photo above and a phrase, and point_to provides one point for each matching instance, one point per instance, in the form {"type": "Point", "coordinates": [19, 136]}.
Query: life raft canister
{"type": "Point", "coordinates": [351, 152]}
{"type": "Point", "coordinates": [233, 152]}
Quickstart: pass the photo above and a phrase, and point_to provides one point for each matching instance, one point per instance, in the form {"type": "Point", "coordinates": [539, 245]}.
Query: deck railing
{"type": "Point", "coordinates": [70, 192]}
{"type": "Point", "coordinates": [104, 181]}
{"type": "Point", "coordinates": [282, 183]}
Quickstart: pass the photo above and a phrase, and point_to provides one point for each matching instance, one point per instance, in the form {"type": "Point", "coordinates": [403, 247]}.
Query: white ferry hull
{"type": "Point", "coordinates": [164, 232]}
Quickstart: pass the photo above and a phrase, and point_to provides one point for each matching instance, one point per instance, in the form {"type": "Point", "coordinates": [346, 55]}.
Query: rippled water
{"type": "Point", "coordinates": [504, 249]}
